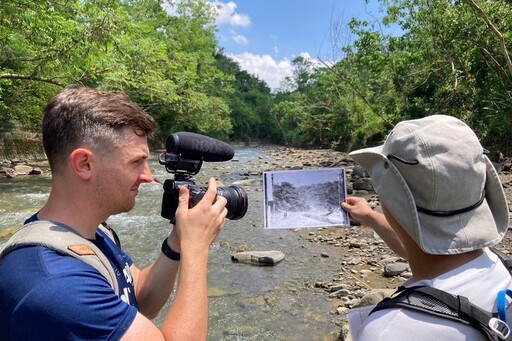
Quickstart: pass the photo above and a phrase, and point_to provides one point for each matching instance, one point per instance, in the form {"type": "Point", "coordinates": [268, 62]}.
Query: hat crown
{"type": "Point", "coordinates": [433, 178]}
{"type": "Point", "coordinates": [441, 160]}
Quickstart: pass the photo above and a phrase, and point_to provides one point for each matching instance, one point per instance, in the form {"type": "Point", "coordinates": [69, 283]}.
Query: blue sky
{"type": "Point", "coordinates": [264, 36]}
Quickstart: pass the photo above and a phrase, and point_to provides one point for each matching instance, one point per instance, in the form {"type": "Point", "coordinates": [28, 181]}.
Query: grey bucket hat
{"type": "Point", "coordinates": [432, 176]}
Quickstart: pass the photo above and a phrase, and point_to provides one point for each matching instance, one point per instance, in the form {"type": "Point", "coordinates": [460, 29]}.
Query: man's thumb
{"type": "Point", "coordinates": [183, 198]}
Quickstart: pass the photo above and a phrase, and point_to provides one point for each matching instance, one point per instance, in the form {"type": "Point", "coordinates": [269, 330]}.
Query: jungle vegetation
{"type": "Point", "coordinates": [453, 57]}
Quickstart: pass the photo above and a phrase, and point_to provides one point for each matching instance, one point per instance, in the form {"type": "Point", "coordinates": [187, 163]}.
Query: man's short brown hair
{"type": "Point", "coordinates": [86, 117]}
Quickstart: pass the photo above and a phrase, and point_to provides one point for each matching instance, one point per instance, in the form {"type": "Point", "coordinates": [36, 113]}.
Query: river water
{"type": "Point", "coordinates": [246, 302]}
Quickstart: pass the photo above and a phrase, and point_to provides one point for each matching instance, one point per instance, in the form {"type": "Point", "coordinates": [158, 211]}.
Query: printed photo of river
{"type": "Point", "coordinates": [305, 198]}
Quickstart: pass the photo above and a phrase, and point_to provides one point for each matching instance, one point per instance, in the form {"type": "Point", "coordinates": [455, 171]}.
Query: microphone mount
{"type": "Point", "coordinates": [181, 166]}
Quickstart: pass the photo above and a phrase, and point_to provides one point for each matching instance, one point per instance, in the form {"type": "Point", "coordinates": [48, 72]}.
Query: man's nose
{"type": "Point", "coordinates": [146, 175]}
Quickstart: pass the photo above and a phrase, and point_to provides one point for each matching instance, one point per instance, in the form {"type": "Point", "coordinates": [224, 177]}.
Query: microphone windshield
{"type": "Point", "coordinates": [197, 146]}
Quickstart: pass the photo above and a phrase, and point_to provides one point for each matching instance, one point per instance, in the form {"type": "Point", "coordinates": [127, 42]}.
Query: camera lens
{"type": "Point", "coordinates": [237, 201]}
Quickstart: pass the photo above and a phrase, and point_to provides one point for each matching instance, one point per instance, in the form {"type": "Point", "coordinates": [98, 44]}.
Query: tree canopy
{"type": "Point", "coordinates": [163, 55]}
{"type": "Point", "coordinates": [452, 57]}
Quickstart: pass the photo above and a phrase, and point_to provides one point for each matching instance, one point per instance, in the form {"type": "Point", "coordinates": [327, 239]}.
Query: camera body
{"type": "Point", "coordinates": [184, 156]}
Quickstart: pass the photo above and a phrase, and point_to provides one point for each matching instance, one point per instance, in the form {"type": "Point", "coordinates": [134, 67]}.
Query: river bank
{"type": "Point", "coordinates": [367, 269]}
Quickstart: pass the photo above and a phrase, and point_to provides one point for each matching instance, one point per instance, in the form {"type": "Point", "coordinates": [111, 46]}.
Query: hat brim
{"type": "Point", "coordinates": [484, 226]}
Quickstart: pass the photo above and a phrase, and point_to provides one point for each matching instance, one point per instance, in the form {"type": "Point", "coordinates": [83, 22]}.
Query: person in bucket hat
{"type": "Point", "coordinates": [443, 207]}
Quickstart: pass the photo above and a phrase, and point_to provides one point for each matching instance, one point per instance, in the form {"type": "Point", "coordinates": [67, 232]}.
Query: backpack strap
{"type": "Point", "coordinates": [65, 240]}
{"type": "Point", "coordinates": [505, 259]}
{"type": "Point", "coordinates": [110, 232]}
{"type": "Point", "coordinates": [442, 304]}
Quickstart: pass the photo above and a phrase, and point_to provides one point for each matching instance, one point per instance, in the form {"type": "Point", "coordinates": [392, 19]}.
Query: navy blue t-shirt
{"type": "Point", "coordinates": [45, 295]}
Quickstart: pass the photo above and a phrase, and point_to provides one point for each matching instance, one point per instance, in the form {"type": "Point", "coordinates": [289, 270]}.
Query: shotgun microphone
{"type": "Point", "coordinates": [197, 146]}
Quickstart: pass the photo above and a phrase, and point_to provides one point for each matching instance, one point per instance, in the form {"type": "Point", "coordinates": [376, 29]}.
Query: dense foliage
{"type": "Point", "coordinates": [250, 103]}
{"type": "Point", "coordinates": [452, 57]}
{"type": "Point", "coordinates": [162, 54]}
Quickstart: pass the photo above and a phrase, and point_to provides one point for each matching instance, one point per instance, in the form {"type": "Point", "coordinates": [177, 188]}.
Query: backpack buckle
{"type": "Point", "coordinates": [499, 327]}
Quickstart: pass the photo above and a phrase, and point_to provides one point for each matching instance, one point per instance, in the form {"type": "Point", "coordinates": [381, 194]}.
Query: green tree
{"type": "Point", "coordinates": [249, 102]}
{"type": "Point", "coordinates": [164, 61]}
{"type": "Point", "coordinates": [312, 113]}
{"type": "Point", "coordinates": [452, 58]}
{"type": "Point", "coordinates": [456, 61]}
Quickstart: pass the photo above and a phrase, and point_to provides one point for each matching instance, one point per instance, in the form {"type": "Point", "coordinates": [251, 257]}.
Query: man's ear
{"type": "Point", "coordinates": [80, 161]}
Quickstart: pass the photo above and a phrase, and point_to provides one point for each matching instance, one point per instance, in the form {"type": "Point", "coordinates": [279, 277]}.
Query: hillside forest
{"type": "Point", "coordinates": [453, 57]}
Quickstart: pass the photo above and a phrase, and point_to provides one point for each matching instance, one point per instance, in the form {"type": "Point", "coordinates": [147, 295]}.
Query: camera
{"type": "Point", "coordinates": [184, 156]}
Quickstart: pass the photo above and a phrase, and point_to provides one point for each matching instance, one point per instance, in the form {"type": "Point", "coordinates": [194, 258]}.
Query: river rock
{"type": "Point", "coordinates": [363, 184]}
{"type": "Point", "coordinates": [23, 169]}
{"type": "Point", "coordinates": [258, 257]}
{"type": "Point", "coordinates": [247, 182]}
{"type": "Point", "coordinates": [395, 269]}
{"type": "Point", "coordinates": [360, 172]}
{"type": "Point", "coordinates": [10, 172]}
{"type": "Point", "coordinates": [375, 296]}
{"type": "Point", "coordinates": [340, 293]}
{"type": "Point", "coordinates": [36, 171]}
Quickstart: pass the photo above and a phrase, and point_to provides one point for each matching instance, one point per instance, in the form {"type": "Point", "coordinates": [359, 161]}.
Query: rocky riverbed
{"type": "Point", "coordinates": [369, 270]}
{"type": "Point", "coordinates": [20, 167]}
{"type": "Point", "coordinates": [366, 268]}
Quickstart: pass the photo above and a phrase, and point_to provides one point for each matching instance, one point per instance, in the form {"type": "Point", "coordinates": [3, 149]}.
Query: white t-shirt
{"type": "Point", "coordinates": [479, 280]}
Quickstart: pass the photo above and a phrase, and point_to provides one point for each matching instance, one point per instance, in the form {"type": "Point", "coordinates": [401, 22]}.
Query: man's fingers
{"type": "Point", "coordinates": [351, 200]}
{"type": "Point", "coordinates": [220, 201]}
{"type": "Point", "coordinates": [183, 200]}
{"type": "Point", "coordinates": [211, 192]}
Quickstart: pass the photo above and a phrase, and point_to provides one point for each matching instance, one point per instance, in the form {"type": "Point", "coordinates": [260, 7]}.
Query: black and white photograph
{"type": "Point", "coordinates": [305, 198]}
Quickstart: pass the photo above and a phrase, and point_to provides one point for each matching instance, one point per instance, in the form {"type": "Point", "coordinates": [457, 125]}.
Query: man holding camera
{"type": "Point", "coordinates": [96, 144]}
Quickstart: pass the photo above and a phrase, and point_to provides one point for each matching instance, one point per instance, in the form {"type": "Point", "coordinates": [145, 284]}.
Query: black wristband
{"type": "Point", "coordinates": [168, 252]}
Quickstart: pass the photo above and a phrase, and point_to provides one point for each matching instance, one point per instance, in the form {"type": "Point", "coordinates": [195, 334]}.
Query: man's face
{"type": "Point", "coordinates": [119, 176]}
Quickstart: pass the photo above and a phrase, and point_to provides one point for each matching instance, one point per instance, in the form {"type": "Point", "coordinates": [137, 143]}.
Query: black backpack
{"type": "Point", "coordinates": [457, 308]}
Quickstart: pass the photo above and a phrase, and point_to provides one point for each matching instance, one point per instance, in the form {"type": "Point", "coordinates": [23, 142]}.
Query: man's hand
{"type": "Point", "coordinates": [358, 208]}
{"type": "Point", "coordinates": [361, 211]}
{"type": "Point", "coordinates": [199, 226]}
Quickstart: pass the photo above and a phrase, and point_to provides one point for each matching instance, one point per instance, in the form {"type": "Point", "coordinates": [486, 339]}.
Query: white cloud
{"type": "Point", "coordinates": [315, 63]}
{"type": "Point", "coordinates": [226, 14]}
{"type": "Point", "coordinates": [276, 50]}
{"type": "Point", "coordinates": [240, 39]}
{"type": "Point", "coordinates": [264, 67]}
{"type": "Point", "coordinates": [270, 70]}
{"type": "Point", "coordinates": [306, 56]}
